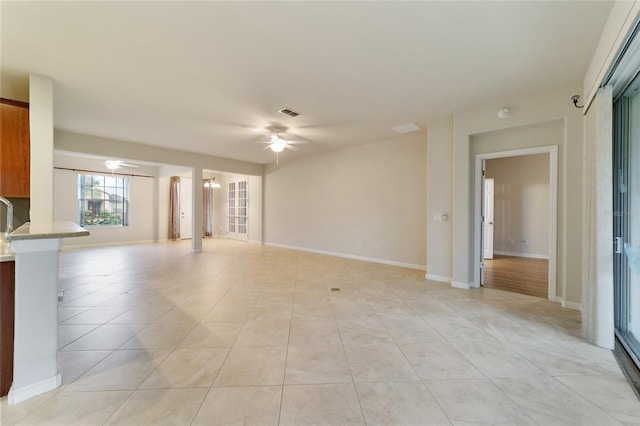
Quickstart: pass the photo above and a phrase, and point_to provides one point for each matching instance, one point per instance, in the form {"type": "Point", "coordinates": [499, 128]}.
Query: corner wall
{"type": "Point", "coordinates": [366, 202]}
{"type": "Point", "coordinates": [534, 111]}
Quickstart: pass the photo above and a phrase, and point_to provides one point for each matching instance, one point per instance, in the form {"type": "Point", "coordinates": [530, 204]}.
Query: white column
{"type": "Point", "coordinates": [440, 200]}
{"type": "Point", "coordinates": [196, 200]}
{"type": "Point", "coordinates": [41, 135]}
{"type": "Point", "coordinates": [597, 293]}
{"type": "Point", "coordinates": [35, 357]}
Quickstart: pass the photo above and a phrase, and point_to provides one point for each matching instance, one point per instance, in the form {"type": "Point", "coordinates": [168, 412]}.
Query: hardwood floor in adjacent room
{"type": "Point", "coordinates": [517, 274]}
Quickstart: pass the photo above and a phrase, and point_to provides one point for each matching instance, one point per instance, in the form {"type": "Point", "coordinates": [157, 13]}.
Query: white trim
{"type": "Point", "coordinates": [438, 278]}
{"type": "Point", "coordinates": [572, 305]}
{"type": "Point", "coordinates": [350, 256]}
{"type": "Point", "coordinates": [517, 254]}
{"type": "Point", "coordinates": [112, 244]}
{"type": "Point", "coordinates": [34, 389]}
{"type": "Point", "coordinates": [459, 284]}
{"type": "Point", "coordinates": [622, 20]}
{"type": "Point", "coordinates": [552, 150]}
{"type": "Point", "coordinates": [568, 305]}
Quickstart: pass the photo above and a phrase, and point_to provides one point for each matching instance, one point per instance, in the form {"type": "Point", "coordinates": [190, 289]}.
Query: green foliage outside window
{"type": "Point", "coordinates": [103, 200]}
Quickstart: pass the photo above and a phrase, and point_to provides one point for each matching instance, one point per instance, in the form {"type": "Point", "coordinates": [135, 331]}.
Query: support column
{"type": "Point", "coordinates": [41, 135]}
{"type": "Point", "coordinates": [196, 215]}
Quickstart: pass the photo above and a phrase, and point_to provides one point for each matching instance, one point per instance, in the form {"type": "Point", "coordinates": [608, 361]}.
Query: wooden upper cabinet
{"type": "Point", "coordinates": [14, 149]}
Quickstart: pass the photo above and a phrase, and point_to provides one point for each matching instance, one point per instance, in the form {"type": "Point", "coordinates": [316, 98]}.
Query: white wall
{"type": "Point", "coordinates": [367, 202]}
{"type": "Point", "coordinates": [440, 199]}
{"type": "Point", "coordinates": [104, 147]}
{"type": "Point", "coordinates": [521, 204]}
{"type": "Point", "coordinates": [143, 214]}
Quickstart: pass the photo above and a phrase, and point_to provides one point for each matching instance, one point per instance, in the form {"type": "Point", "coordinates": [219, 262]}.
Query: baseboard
{"type": "Point", "coordinates": [571, 305]}
{"type": "Point", "coordinates": [110, 244]}
{"type": "Point", "coordinates": [438, 278]}
{"type": "Point", "coordinates": [517, 254]}
{"type": "Point", "coordinates": [460, 284]}
{"type": "Point", "coordinates": [34, 389]}
{"type": "Point", "coordinates": [350, 256]}
{"type": "Point", "coordinates": [568, 305]}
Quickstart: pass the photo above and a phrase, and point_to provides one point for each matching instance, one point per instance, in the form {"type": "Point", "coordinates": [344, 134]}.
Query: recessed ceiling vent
{"type": "Point", "coordinates": [406, 128]}
{"type": "Point", "coordinates": [289, 112]}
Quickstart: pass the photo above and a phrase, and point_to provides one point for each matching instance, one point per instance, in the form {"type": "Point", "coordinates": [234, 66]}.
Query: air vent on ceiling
{"type": "Point", "coordinates": [406, 128]}
{"type": "Point", "coordinates": [289, 112]}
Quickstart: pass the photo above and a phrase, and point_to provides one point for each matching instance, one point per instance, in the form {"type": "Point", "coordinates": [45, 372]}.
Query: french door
{"type": "Point", "coordinates": [238, 210]}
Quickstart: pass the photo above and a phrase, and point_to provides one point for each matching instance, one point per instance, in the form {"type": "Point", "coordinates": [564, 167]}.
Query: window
{"type": "Point", "coordinates": [103, 200]}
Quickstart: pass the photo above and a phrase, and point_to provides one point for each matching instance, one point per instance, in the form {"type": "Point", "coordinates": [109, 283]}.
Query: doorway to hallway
{"type": "Point", "coordinates": [516, 226]}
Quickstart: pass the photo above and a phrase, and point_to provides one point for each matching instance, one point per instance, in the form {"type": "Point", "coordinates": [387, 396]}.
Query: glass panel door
{"type": "Point", "coordinates": [626, 223]}
{"type": "Point", "coordinates": [238, 210]}
{"type": "Point", "coordinates": [232, 209]}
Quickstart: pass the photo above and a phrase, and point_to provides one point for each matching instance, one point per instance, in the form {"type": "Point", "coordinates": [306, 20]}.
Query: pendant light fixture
{"type": "Point", "coordinates": [211, 183]}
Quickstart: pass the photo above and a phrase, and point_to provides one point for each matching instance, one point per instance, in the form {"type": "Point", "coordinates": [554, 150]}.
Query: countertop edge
{"type": "Point", "coordinates": [47, 231]}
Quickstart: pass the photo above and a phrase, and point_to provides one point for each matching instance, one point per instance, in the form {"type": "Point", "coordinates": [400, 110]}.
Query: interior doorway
{"type": "Point", "coordinates": [515, 229]}
{"type": "Point", "coordinates": [185, 200]}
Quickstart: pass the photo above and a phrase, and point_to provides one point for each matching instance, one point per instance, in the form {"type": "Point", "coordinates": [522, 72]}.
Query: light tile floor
{"type": "Point", "coordinates": [247, 334]}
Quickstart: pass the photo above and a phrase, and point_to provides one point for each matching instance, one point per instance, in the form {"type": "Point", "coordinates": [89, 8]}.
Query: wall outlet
{"type": "Point", "coordinates": [437, 217]}
{"type": "Point", "coordinates": [359, 243]}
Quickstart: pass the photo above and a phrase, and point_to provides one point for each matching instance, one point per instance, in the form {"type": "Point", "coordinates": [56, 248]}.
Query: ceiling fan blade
{"type": "Point", "coordinates": [291, 147]}
{"type": "Point", "coordinates": [128, 165]}
{"type": "Point", "coordinates": [296, 136]}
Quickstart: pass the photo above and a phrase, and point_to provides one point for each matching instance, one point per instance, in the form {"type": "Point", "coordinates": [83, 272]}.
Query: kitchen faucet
{"type": "Point", "coordinates": [9, 227]}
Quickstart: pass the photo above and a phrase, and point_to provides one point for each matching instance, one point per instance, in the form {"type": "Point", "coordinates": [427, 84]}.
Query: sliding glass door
{"type": "Point", "coordinates": [626, 181]}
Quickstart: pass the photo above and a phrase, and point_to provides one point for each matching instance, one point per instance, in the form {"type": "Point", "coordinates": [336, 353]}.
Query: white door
{"type": "Point", "coordinates": [487, 237]}
{"type": "Point", "coordinates": [185, 208]}
{"type": "Point", "coordinates": [238, 210]}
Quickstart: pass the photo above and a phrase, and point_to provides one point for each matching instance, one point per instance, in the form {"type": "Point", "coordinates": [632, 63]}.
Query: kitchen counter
{"type": "Point", "coordinates": [42, 231]}
{"type": "Point", "coordinates": [35, 350]}
{"type": "Point", "coordinates": [30, 231]}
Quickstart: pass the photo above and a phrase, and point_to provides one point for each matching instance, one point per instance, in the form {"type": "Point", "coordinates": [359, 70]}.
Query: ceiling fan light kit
{"type": "Point", "coordinates": [277, 144]}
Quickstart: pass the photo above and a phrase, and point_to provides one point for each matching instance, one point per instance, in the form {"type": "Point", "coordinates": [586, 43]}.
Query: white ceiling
{"type": "Point", "coordinates": [199, 76]}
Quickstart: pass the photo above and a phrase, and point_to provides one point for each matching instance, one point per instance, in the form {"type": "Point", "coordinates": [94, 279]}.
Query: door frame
{"type": "Point", "coordinates": [492, 219]}
{"type": "Point", "coordinates": [552, 150]}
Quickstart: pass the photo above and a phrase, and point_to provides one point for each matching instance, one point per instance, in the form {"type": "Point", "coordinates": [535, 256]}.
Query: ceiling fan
{"type": "Point", "coordinates": [116, 164]}
{"type": "Point", "coordinates": [276, 142]}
